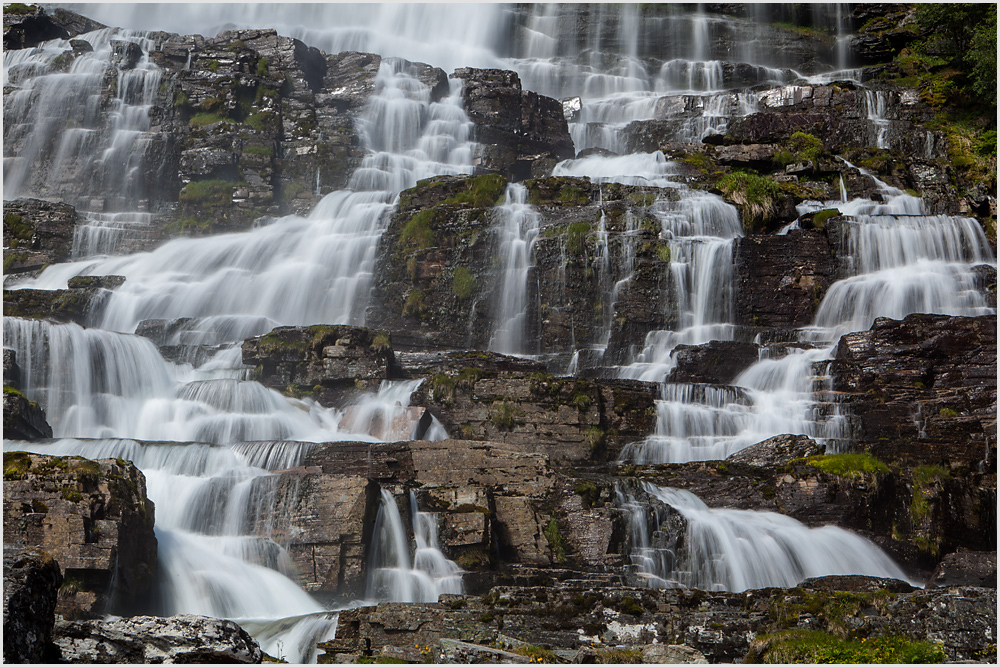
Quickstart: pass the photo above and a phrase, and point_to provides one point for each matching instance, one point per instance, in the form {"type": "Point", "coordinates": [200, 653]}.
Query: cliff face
{"type": "Point", "coordinates": [763, 240]}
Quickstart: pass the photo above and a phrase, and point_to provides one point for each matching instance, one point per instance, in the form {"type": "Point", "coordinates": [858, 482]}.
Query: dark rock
{"type": "Point", "coordinates": [961, 618]}
{"type": "Point", "coordinates": [36, 233]}
{"type": "Point", "coordinates": [518, 126]}
{"type": "Point", "coordinates": [84, 295]}
{"type": "Point", "coordinates": [23, 419]}
{"type": "Point", "coordinates": [152, 639]}
{"type": "Point", "coordinates": [780, 280]}
{"type": "Point", "coordinates": [40, 24]}
{"type": "Point", "coordinates": [855, 583]}
{"type": "Point", "coordinates": [94, 518]}
{"type": "Point", "coordinates": [95, 282]}
{"type": "Point", "coordinates": [11, 371]}
{"type": "Point", "coordinates": [716, 362]}
{"type": "Point", "coordinates": [321, 360]}
{"type": "Point", "coordinates": [31, 581]}
{"type": "Point", "coordinates": [966, 568]}
{"type": "Point", "coordinates": [672, 654]}
{"type": "Point", "coordinates": [125, 55]}
{"type": "Point", "coordinates": [778, 451]}
{"type": "Point", "coordinates": [922, 389]}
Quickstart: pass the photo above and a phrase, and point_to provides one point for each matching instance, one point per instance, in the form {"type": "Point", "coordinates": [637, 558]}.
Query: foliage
{"type": "Point", "coordinates": [505, 415]}
{"type": "Point", "coordinates": [204, 118]}
{"type": "Point", "coordinates": [806, 146]}
{"type": "Point", "coordinates": [18, 229]}
{"type": "Point", "coordinates": [619, 656]}
{"type": "Point", "coordinates": [554, 538]}
{"type": "Point", "coordinates": [259, 121]}
{"type": "Point", "coordinates": [414, 304]}
{"type": "Point", "coordinates": [754, 195]}
{"type": "Point", "coordinates": [417, 232]}
{"type": "Point", "coordinates": [480, 191]}
{"type": "Point", "coordinates": [463, 283]}
{"type": "Point", "coordinates": [537, 653]}
{"type": "Point", "coordinates": [964, 35]}
{"type": "Point", "coordinates": [258, 150]}
{"type": "Point", "coordinates": [572, 196]}
{"type": "Point", "coordinates": [262, 67]}
{"type": "Point", "coordinates": [820, 217]}
{"type": "Point", "coordinates": [576, 236]}
{"type": "Point", "coordinates": [925, 479]}
{"type": "Point", "coordinates": [849, 465]}
{"type": "Point", "coordinates": [814, 646]}
{"type": "Point", "coordinates": [210, 193]}
{"type": "Point", "coordinates": [19, 8]}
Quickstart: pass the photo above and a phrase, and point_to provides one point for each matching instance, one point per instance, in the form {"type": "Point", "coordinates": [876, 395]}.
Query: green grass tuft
{"type": "Point", "coordinates": [849, 465]}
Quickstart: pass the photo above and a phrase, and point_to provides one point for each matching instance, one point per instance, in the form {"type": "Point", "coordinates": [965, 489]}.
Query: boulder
{"type": "Point", "coordinates": [31, 581]}
{"type": "Point", "coordinates": [778, 451]}
{"type": "Point", "coordinates": [26, 26]}
{"type": "Point", "coordinates": [514, 127]}
{"type": "Point", "coordinates": [966, 568]}
{"type": "Point", "coordinates": [321, 361]}
{"type": "Point", "coordinates": [95, 520]}
{"type": "Point", "coordinates": [83, 295]}
{"type": "Point", "coordinates": [151, 639]}
{"type": "Point", "coordinates": [672, 654]}
{"type": "Point", "coordinates": [23, 419]}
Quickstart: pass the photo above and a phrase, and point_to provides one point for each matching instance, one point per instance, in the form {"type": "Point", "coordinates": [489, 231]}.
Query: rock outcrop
{"type": "Point", "coordinates": [152, 640]}
{"type": "Point", "coordinates": [95, 520]}
{"type": "Point", "coordinates": [565, 621]}
{"type": "Point", "coordinates": [84, 294]}
{"type": "Point", "coordinates": [23, 419]}
{"type": "Point", "coordinates": [31, 581]}
{"type": "Point", "coordinates": [36, 233]}
{"type": "Point", "coordinates": [521, 133]}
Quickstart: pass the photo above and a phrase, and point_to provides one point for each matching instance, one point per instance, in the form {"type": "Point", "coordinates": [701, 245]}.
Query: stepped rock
{"type": "Point", "coordinates": [95, 520]}
{"type": "Point", "coordinates": [23, 419]}
{"type": "Point", "coordinates": [36, 233]}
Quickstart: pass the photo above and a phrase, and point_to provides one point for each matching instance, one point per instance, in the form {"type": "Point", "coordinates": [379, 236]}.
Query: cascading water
{"type": "Point", "coordinates": [393, 574]}
{"type": "Point", "coordinates": [690, 69]}
{"type": "Point", "coordinates": [735, 550]}
{"type": "Point", "coordinates": [516, 238]}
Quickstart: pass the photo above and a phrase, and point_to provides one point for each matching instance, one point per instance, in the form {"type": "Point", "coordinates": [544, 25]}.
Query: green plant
{"type": "Point", "coordinates": [442, 388]}
{"type": "Point", "coordinates": [259, 121]}
{"type": "Point", "coordinates": [948, 413]}
{"type": "Point", "coordinates": [576, 236]}
{"type": "Point", "coordinates": [588, 491]}
{"type": "Point", "coordinates": [463, 283]}
{"type": "Point", "coordinates": [820, 217]}
{"type": "Point", "coordinates": [480, 191]}
{"type": "Point", "coordinates": [806, 147]}
{"type": "Point", "coordinates": [925, 480]}
{"type": "Point", "coordinates": [849, 465]}
{"type": "Point", "coordinates": [756, 197]}
{"type": "Point", "coordinates": [381, 342]}
{"type": "Point", "coordinates": [554, 538]}
{"type": "Point", "coordinates": [414, 304]}
{"type": "Point", "coordinates": [572, 196]}
{"type": "Point", "coordinates": [19, 8]}
{"type": "Point", "coordinates": [505, 415]}
{"type": "Point", "coordinates": [417, 232]}
{"type": "Point", "coordinates": [619, 656]}
{"type": "Point", "coordinates": [204, 118]}
{"type": "Point", "coordinates": [211, 193]}
{"type": "Point", "coordinates": [258, 150]}
{"type": "Point", "coordinates": [814, 646]}
{"type": "Point", "coordinates": [663, 253]}
{"type": "Point", "coordinates": [262, 67]}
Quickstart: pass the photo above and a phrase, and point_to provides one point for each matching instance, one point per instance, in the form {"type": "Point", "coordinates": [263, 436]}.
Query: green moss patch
{"type": "Point", "coordinates": [756, 197]}
{"type": "Point", "coordinates": [814, 646]}
{"type": "Point", "coordinates": [849, 465]}
{"type": "Point", "coordinates": [463, 283]}
{"type": "Point", "coordinates": [417, 233]}
{"type": "Point", "coordinates": [480, 191]}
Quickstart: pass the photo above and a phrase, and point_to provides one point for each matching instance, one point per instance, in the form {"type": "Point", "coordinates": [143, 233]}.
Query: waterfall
{"type": "Point", "coordinates": [736, 550]}
{"type": "Point", "coordinates": [392, 574]}
{"type": "Point", "coordinates": [219, 533]}
{"type": "Point", "coordinates": [517, 233]}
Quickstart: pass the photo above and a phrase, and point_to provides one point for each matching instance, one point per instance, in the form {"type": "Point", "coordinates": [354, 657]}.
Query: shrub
{"type": "Point", "coordinates": [463, 283]}
{"type": "Point", "coordinates": [754, 195]}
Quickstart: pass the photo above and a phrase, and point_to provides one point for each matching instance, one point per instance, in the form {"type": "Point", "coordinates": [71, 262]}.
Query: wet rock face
{"type": "Point", "coordinates": [26, 26]}
{"type": "Point", "coordinates": [31, 580]}
{"type": "Point", "coordinates": [95, 520]}
{"type": "Point", "coordinates": [36, 233]}
{"type": "Point", "coordinates": [781, 280]}
{"type": "Point", "coordinates": [922, 389]}
{"type": "Point", "coordinates": [717, 362]}
{"type": "Point", "coordinates": [321, 361]}
{"type": "Point", "coordinates": [152, 639]}
{"type": "Point", "coordinates": [520, 127]}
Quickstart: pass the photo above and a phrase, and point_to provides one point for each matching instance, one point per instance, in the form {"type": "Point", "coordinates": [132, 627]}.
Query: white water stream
{"type": "Point", "coordinates": [104, 383]}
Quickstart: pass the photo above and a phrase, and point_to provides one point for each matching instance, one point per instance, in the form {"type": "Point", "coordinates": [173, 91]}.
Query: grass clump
{"type": "Point", "coordinates": [414, 304]}
{"type": "Point", "coordinates": [463, 283]}
{"type": "Point", "coordinates": [480, 191]}
{"type": "Point", "coordinates": [203, 118]}
{"type": "Point", "coordinates": [926, 479]}
{"type": "Point", "coordinates": [820, 217]}
{"type": "Point", "coordinates": [258, 150]}
{"type": "Point", "coordinates": [417, 232]}
{"type": "Point", "coordinates": [15, 464]}
{"type": "Point", "coordinates": [19, 8]}
{"type": "Point", "coordinates": [756, 197]}
{"type": "Point", "coordinates": [619, 656]}
{"type": "Point", "coordinates": [209, 193]}
{"type": "Point", "coordinates": [572, 196]}
{"type": "Point", "coordinates": [814, 646]}
{"type": "Point", "coordinates": [849, 465]}
{"type": "Point", "coordinates": [576, 237]}
{"type": "Point", "coordinates": [505, 415]}
{"type": "Point", "coordinates": [259, 121]}
{"type": "Point", "coordinates": [554, 538]}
